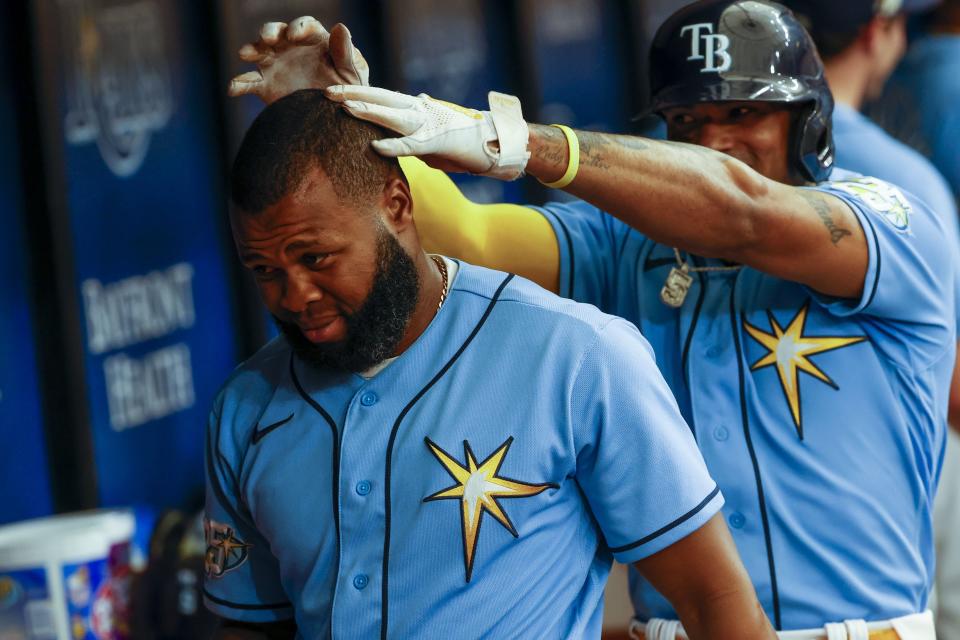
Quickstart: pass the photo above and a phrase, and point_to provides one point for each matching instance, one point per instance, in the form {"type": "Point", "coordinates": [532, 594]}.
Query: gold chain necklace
{"type": "Point", "coordinates": [442, 265]}
{"type": "Point", "coordinates": [678, 281]}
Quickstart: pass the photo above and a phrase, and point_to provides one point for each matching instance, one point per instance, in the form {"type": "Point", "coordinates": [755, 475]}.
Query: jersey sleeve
{"type": "Point", "coordinates": [637, 461]}
{"type": "Point", "coordinates": [242, 577]}
{"type": "Point", "coordinates": [908, 300]}
{"type": "Point", "coordinates": [590, 243]}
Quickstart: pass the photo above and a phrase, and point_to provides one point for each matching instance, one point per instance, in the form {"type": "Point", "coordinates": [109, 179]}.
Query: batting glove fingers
{"type": "Point", "coordinates": [490, 143]}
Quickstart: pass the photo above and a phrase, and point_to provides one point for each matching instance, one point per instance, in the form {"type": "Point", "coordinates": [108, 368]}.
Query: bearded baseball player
{"type": "Point", "coordinates": [802, 315]}
{"type": "Point", "coordinates": [433, 448]}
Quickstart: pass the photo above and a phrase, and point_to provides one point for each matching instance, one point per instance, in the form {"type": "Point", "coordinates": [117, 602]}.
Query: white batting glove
{"type": "Point", "coordinates": [449, 137]}
{"type": "Point", "coordinates": [301, 55]}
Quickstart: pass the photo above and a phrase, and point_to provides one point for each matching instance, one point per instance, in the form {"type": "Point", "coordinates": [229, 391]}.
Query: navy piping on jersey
{"type": "Point", "coordinates": [876, 245]}
{"type": "Point", "coordinates": [245, 607]}
{"type": "Point", "coordinates": [659, 532]}
{"type": "Point", "coordinates": [649, 264]}
{"type": "Point", "coordinates": [385, 604]}
{"type": "Point", "coordinates": [618, 258]}
{"type": "Point", "coordinates": [655, 263]}
{"type": "Point", "coordinates": [215, 479]}
{"type": "Point", "coordinates": [775, 594]}
{"type": "Point", "coordinates": [336, 460]}
{"type": "Point", "coordinates": [336, 444]}
{"type": "Point", "coordinates": [623, 244]}
{"type": "Point", "coordinates": [636, 272]}
{"type": "Point", "coordinates": [684, 357]}
{"type": "Point", "coordinates": [566, 236]}
{"type": "Point", "coordinates": [336, 449]}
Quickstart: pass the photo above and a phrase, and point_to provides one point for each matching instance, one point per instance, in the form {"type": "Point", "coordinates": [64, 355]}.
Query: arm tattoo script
{"type": "Point", "coordinates": [553, 153]}
{"type": "Point", "coordinates": [837, 233]}
{"type": "Point", "coordinates": [592, 146]}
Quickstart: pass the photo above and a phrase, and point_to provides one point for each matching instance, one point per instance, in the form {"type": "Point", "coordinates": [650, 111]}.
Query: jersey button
{"type": "Point", "coordinates": [714, 351]}
{"type": "Point", "coordinates": [363, 487]}
{"type": "Point", "coordinates": [368, 399]}
{"type": "Point", "coordinates": [737, 520]}
{"type": "Point", "coordinates": [360, 581]}
{"type": "Point", "coordinates": [721, 433]}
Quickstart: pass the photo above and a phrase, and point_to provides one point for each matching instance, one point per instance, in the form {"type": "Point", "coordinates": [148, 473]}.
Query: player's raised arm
{"type": "Point", "coordinates": [711, 204]}
{"type": "Point", "coordinates": [698, 199]}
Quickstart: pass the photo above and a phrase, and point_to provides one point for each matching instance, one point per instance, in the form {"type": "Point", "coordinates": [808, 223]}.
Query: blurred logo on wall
{"type": "Point", "coordinates": [118, 78]}
{"type": "Point", "coordinates": [133, 311]}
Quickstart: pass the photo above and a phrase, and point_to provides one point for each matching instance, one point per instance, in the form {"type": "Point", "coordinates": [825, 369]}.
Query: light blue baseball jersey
{"type": "Point", "coordinates": [356, 505]}
{"type": "Point", "coordinates": [821, 419]}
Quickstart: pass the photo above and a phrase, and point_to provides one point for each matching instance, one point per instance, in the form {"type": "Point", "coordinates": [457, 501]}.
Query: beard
{"type": "Point", "coordinates": [375, 330]}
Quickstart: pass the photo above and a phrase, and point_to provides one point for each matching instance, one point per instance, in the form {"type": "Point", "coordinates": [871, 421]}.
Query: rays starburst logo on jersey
{"type": "Point", "coordinates": [478, 489]}
{"type": "Point", "coordinates": [882, 197]}
{"type": "Point", "coordinates": [225, 551]}
{"type": "Point", "coordinates": [790, 350]}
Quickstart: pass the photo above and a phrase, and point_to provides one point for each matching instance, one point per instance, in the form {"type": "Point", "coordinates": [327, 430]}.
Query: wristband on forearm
{"type": "Point", "coordinates": [573, 164]}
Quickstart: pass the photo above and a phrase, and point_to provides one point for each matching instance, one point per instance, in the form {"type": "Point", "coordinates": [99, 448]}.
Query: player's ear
{"type": "Point", "coordinates": [397, 204]}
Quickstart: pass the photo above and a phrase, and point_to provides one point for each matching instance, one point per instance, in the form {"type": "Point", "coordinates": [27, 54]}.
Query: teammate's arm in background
{"type": "Point", "coordinates": [694, 574]}
{"type": "Point", "coordinates": [713, 205]}
{"type": "Point", "coordinates": [682, 195]}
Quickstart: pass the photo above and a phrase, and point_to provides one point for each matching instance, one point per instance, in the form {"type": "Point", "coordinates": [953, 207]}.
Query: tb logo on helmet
{"type": "Point", "coordinates": [714, 47]}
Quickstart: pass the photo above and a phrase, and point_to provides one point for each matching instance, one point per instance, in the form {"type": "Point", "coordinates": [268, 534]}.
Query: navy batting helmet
{"type": "Point", "coordinates": [718, 50]}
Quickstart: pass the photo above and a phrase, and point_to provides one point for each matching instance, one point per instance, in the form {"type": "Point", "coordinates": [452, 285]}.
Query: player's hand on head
{"type": "Point", "coordinates": [299, 55]}
{"type": "Point", "coordinates": [447, 136]}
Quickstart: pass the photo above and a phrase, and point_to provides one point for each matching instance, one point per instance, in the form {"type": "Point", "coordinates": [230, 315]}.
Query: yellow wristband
{"type": "Point", "coordinates": [573, 165]}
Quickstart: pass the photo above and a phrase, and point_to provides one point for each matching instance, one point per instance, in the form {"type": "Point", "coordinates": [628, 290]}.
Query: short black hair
{"type": "Point", "coordinates": [297, 133]}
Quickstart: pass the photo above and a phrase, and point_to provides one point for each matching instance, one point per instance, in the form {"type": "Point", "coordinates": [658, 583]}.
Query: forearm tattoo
{"type": "Point", "coordinates": [597, 149]}
{"type": "Point", "coordinates": [837, 233]}
{"type": "Point", "coordinates": [593, 149]}
{"type": "Point", "coordinates": [556, 152]}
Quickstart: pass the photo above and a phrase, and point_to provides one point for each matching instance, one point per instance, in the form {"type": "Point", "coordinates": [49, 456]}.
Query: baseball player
{"type": "Point", "coordinates": [432, 447]}
{"type": "Point", "coordinates": [861, 42]}
{"type": "Point", "coordinates": [803, 320]}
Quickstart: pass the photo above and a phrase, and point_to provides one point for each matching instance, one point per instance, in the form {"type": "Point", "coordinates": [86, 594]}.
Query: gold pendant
{"type": "Point", "coordinates": [675, 289]}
